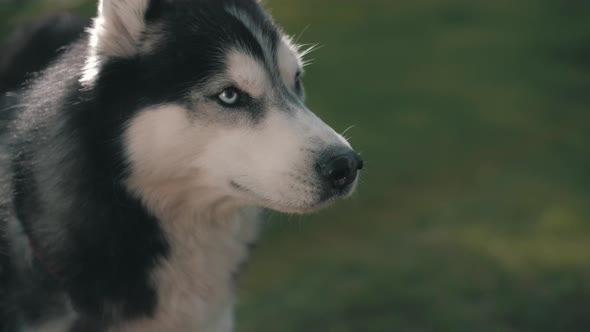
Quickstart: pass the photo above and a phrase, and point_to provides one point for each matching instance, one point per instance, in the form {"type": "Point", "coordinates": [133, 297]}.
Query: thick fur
{"type": "Point", "coordinates": [130, 191]}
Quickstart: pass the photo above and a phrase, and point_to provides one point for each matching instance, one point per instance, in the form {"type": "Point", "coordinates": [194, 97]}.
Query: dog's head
{"type": "Point", "coordinates": [221, 105]}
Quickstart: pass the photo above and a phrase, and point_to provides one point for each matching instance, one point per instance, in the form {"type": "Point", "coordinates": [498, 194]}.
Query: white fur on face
{"type": "Point", "coordinates": [182, 161]}
{"type": "Point", "coordinates": [249, 74]}
{"type": "Point", "coordinates": [162, 144]}
{"type": "Point", "coordinates": [274, 164]}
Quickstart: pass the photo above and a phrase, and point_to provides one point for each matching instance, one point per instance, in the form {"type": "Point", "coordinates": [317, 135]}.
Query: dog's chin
{"type": "Point", "coordinates": [300, 208]}
{"type": "Point", "coordinates": [301, 205]}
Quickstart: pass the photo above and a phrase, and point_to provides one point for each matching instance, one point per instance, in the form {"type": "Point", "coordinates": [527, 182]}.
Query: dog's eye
{"type": "Point", "coordinates": [229, 97]}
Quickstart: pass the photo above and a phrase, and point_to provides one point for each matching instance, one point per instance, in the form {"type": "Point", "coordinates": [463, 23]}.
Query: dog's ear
{"type": "Point", "coordinates": [120, 25]}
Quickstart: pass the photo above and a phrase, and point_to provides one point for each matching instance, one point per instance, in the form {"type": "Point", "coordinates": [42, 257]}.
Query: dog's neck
{"type": "Point", "coordinates": [197, 218]}
{"type": "Point", "coordinates": [209, 235]}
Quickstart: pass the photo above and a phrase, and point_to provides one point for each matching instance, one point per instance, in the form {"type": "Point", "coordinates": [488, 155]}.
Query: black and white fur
{"type": "Point", "coordinates": [135, 171]}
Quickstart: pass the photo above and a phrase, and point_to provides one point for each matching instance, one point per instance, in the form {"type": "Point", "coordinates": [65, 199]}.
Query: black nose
{"type": "Point", "coordinates": [340, 170]}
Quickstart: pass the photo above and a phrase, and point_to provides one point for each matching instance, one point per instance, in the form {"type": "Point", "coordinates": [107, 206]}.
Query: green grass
{"type": "Point", "coordinates": [474, 210]}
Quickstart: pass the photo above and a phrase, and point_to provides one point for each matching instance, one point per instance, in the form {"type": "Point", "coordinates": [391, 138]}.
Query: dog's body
{"type": "Point", "coordinates": [136, 168]}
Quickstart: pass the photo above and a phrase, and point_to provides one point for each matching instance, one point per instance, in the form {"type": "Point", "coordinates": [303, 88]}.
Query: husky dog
{"type": "Point", "coordinates": [136, 167]}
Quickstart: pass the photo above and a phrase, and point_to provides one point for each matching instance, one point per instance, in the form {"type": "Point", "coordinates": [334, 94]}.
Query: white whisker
{"type": "Point", "coordinates": [347, 130]}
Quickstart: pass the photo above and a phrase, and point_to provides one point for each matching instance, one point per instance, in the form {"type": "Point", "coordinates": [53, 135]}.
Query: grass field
{"type": "Point", "coordinates": [474, 210]}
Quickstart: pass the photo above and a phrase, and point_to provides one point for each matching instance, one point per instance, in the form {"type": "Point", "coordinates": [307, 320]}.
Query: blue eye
{"type": "Point", "coordinates": [229, 97]}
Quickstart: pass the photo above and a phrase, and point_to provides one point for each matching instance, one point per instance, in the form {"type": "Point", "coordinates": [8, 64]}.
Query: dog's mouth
{"type": "Point", "coordinates": [315, 201]}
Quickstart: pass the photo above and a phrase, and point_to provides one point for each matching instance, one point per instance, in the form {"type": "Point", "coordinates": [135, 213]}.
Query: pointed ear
{"type": "Point", "coordinates": [119, 27]}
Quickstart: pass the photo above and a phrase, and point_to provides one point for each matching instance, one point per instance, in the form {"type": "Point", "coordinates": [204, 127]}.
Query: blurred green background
{"type": "Point", "coordinates": [473, 213]}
